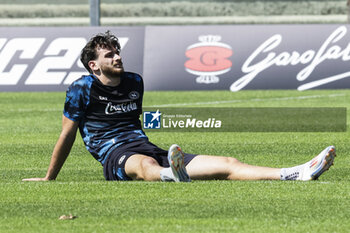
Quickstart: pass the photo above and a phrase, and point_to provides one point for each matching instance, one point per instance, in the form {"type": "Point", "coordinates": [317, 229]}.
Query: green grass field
{"type": "Point", "coordinates": [30, 125]}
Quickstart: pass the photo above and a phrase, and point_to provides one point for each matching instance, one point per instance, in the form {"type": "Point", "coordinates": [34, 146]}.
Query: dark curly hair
{"type": "Point", "coordinates": [102, 40]}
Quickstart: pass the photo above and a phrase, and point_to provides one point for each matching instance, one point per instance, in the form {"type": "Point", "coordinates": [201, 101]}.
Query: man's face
{"type": "Point", "coordinates": [109, 62]}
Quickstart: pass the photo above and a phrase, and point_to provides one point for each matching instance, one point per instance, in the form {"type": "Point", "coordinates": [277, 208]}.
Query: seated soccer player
{"type": "Point", "coordinates": [105, 106]}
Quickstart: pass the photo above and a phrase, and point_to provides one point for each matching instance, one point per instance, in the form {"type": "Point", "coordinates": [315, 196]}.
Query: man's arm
{"type": "Point", "coordinates": [61, 150]}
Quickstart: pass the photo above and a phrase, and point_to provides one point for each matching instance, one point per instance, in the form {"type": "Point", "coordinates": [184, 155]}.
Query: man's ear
{"type": "Point", "coordinates": [93, 65]}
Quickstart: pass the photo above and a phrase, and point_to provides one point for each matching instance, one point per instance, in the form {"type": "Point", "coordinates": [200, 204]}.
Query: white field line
{"type": "Point", "coordinates": [200, 103]}
{"type": "Point", "coordinates": [247, 100]}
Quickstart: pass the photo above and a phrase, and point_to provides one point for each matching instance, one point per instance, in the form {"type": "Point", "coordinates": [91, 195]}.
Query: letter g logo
{"type": "Point", "coordinates": [208, 59]}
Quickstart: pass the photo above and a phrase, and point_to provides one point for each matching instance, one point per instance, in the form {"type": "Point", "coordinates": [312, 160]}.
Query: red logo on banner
{"type": "Point", "coordinates": [208, 59]}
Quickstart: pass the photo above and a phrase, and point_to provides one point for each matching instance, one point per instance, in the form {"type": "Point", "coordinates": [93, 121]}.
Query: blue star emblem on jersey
{"type": "Point", "coordinates": [151, 120]}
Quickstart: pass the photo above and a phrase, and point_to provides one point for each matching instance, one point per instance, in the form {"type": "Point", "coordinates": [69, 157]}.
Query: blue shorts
{"type": "Point", "coordinates": [114, 167]}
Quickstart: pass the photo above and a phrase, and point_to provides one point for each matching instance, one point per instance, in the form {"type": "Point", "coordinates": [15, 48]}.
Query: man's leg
{"type": "Point", "coordinates": [142, 167]}
{"type": "Point", "coordinates": [205, 167]}
{"type": "Point", "coordinates": [217, 167]}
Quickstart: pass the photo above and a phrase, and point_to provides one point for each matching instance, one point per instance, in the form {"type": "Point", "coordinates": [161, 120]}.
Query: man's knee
{"type": "Point", "coordinates": [146, 165]}
{"type": "Point", "coordinates": [148, 162]}
{"type": "Point", "coordinates": [231, 161]}
{"type": "Point", "coordinates": [232, 166]}
{"type": "Point", "coordinates": [138, 166]}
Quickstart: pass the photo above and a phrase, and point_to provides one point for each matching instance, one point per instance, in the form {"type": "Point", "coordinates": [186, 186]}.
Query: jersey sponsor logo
{"type": "Point", "coordinates": [208, 59]}
{"type": "Point", "coordinates": [152, 120]}
{"type": "Point", "coordinates": [56, 64]}
{"type": "Point", "coordinates": [134, 95]}
{"type": "Point", "coordinates": [120, 108]}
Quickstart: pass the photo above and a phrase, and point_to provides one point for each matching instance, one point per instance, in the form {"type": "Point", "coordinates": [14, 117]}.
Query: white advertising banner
{"type": "Point", "coordinates": [211, 57]}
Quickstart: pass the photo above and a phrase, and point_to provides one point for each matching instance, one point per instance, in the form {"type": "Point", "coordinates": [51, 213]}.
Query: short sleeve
{"type": "Point", "coordinates": [76, 102]}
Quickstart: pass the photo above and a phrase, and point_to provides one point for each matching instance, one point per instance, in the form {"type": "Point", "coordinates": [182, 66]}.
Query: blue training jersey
{"type": "Point", "coordinates": [108, 116]}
